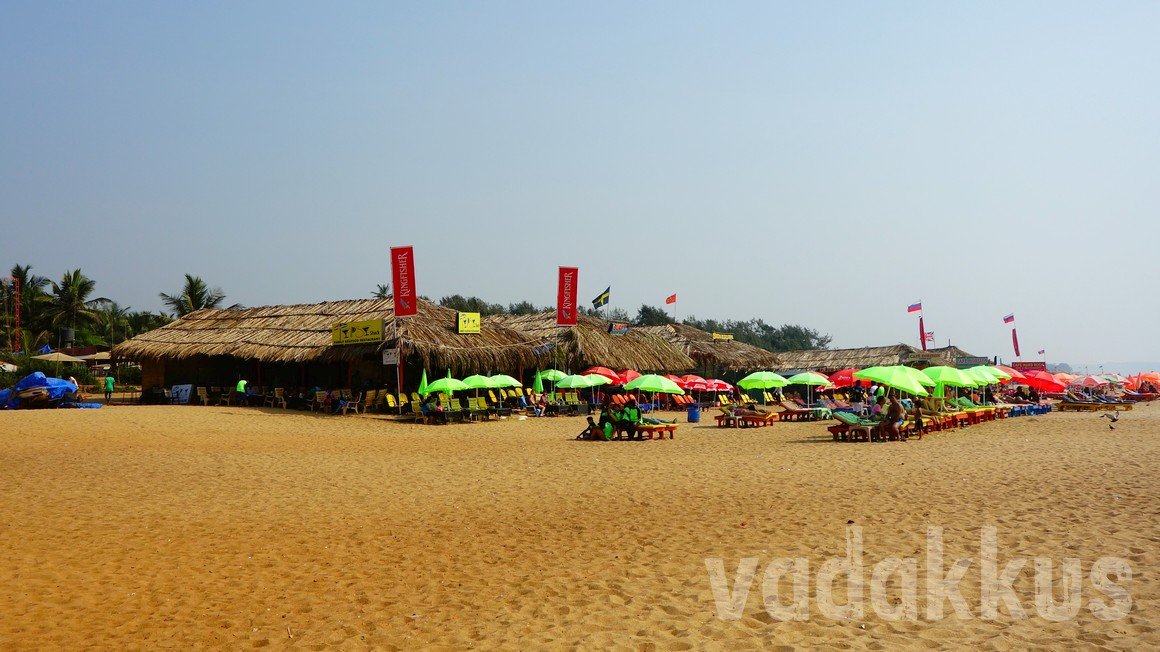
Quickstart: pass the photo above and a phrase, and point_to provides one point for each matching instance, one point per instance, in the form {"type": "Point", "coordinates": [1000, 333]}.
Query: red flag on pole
{"type": "Point", "coordinates": [403, 280]}
{"type": "Point", "coordinates": [1015, 342]}
{"type": "Point", "coordinates": [566, 296]}
{"type": "Point", "coordinates": [672, 298]}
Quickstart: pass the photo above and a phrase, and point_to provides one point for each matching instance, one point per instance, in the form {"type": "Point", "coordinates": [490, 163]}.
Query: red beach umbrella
{"type": "Point", "coordinates": [1090, 381]}
{"type": "Point", "coordinates": [627, 376]}
{"type": "Point", "coordinates": [676, 379]}
{"type": "Point", "coordinates": [603, 371]}
{"type": "Point", "coordinates": [714, 385]}
{"type": "Point", "coordinates": [692, 378]}
{"type": "Point", "coordinates": [843, 378]}
{"type": "Point", "coordinates": [1016, 376]}
{"type": "Point", "coordinates": [1042, 381]}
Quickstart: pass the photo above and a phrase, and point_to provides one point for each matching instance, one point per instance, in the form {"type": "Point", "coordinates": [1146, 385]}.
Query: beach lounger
{"type": "Point", "coordinates": [657, 430]}
{"type": "Point", "coordinates": [851, 427]}
{"type": "Point", "coordinates": [726, 419]}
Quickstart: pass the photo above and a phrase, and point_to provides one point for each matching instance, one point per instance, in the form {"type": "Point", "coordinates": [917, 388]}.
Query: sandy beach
{"type": "Point", "coordinates": [179, 527]}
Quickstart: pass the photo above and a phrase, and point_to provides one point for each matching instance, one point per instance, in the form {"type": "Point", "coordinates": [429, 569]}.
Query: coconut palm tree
{"type": "Point", "coordinates": [141, 321]}
{"type": "Point", "coordinates": [70, 305]}
{"type": "Point", "coordinates": [33, 297]}
{"type": "Point", "coordinates": [194, 296]}
{"type": "Point", "coordinates": [112, 321]}
{"type": "Point", "coordinates": [382, 291]}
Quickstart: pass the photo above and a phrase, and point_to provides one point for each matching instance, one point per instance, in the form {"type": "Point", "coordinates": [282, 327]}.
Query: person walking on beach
{"type": "Point", "coordinates": [108, 389]}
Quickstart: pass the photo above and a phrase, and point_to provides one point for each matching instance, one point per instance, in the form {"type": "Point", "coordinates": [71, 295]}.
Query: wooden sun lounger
{"type": "Point", "coordinates": [657, 430]}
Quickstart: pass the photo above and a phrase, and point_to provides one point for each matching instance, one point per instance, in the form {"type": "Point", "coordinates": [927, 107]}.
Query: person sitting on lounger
{"type": "Point", "coordinates": [893, 415]}
{"type": "Point", "coordinates": [433, 412]}
{"type": "Point", "coordinates": [627, 419]}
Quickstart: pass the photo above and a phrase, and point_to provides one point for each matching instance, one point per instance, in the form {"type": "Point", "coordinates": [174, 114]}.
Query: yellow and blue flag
{"type": "Point", "coordinates": [602, 298]}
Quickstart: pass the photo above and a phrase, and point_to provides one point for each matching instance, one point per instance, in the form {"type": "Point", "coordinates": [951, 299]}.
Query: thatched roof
{"type": "Point", "coordinates": [726, 355]}
{"type": "Point", "coordinates": [831, 360]}
{"type": "Point", "coordinates": [952, 352]}
{"type": "Point", "coordinates": [301, 333]}
{"type": "Point", "coordinates": [589, 343]}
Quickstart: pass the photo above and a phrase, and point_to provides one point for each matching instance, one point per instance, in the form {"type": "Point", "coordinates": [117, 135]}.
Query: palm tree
{"type": "Point", "coordinates": [113, 320]}
{"type": "Point", "coordinates": [382, 291]}
{"type": "Point", "coordinates": [70, 306]}
{"type": "Point", "coordinates": [33, 298]}
{"type": "Point", "coordinates": [141, 321]}
{"type": "Point", "coordinates": [195, 296]}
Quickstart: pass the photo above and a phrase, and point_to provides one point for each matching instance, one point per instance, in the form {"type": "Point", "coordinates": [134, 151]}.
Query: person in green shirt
{"type": "Point", "coordinates": [108, 389]}
{"type": "Point", "coordinates": [628, 418]}
{"type": "Point", "coordinates": [240, 391]}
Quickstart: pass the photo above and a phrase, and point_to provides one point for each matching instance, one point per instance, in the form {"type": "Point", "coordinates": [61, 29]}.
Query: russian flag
{"type": "Point", "coordinates": [1009, 318]}
{"type": "Point", "coordinates": [914, 307]}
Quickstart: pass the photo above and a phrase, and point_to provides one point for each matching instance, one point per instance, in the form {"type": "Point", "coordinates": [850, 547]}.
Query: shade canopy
{"type": "Point", "coordinates": [896, 376]}
{"type": "Point", "coordinates": [479, 382]}
{"type": "Point", "coordinates": [578, 381]}
{"type": "Point", "coordinates": [944, 375]}
{"type": "Point", "coordinates": [504, 380]}
{"type": "Point", "coordinates": [762, 380]}
{"type": "Point", "coordinates": [1042, 381]}
{"type": "Point", "coordinates": [446, 385]}
{"type": "Point", "coordinates": [808, 378]}
{"type": "Point", "coordinates": [551, 374]}
{"type": "Point", "coordinates": [654, 383]}
{"type": "Point", "coordinates": [57, 356]}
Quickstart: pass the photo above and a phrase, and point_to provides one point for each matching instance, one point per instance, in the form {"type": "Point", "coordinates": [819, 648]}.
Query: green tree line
{"type": "Point", "coordinates": [47, 307]}
{"type": "Point", "coordinates": [787, 337]}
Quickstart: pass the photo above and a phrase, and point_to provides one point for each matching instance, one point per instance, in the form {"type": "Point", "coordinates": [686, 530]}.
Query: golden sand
{"type": "Point", "coordinates": [174, 527]}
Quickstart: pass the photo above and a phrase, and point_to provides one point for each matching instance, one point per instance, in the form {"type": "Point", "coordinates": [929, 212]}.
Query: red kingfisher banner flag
{"type": "Point", "coordinates": [566, 296]}
{"type": "Point", "coordinates": [1015, 342]}
{"type": "Point", "coordinates": [403, 281]}
{"type": "Point", "coordinates": [922, 333]}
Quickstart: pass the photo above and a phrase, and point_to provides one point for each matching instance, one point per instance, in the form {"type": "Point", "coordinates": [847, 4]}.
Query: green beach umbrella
{"type": "Point", "coordinates": [810, 379]}
{"type": "Point", "coordinates": [538, 384]}
{"type": "Point", "coordinates": [654, 383]}
{"type": "Point", "coordinates": [553, 375]}
{"type": "Point", "coordinates": [997, 372]}
{"type": "Point", "coordinates": [895, 376]}
{"type": "Point", "coordinates": [504, 380]}
{"type": "Point", "coordinates": [596, 380]}
{"type": "Point", "coordinates": [762, 380]}
{"type": "Point", "coordinates": [479, 382]}
{"type": "Point", "coordinates": [982, 374]}
{"type": "Point", "coordinates": [446, 385]}
{"type": "Point", "coordinates": [574, 382]}
{"type": "Point", "coordinates": [423, 384]}
{"type": "Point", "coordinates": [943, 376]}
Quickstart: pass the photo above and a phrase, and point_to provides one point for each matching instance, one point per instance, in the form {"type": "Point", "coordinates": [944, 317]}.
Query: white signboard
{"type": "Point", "coordinates": [390, 356]}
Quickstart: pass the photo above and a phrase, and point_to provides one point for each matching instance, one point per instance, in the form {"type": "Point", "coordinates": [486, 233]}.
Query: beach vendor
{"type": "Point", "coordinates": [108, 389]}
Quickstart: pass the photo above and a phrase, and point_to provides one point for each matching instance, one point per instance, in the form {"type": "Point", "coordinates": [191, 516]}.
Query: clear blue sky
{"type": "Point", "coordinates": [815, 163]}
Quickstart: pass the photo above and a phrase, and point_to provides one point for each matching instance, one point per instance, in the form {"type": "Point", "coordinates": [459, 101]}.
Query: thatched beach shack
{"type": "Point", "coordinates": [293, 346]}
{"type": "Point", "coordinates": [831, 360]}
{"type": "Point", "coordinates": [589, 343]}
{"type": "Point", "coordinates": [715, 352]}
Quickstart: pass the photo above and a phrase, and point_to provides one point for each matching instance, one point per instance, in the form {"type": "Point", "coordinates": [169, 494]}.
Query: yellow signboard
{"type": "Point", "coordinates": [369, 331]}
{"type": "Point", "coordinates": [722, 337]}
{"type": "Point", "coordinates": [468, 322]}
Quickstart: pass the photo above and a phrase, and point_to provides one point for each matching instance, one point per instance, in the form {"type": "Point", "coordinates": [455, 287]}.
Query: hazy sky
{"type": "Point", "coordinates": [817, 163]}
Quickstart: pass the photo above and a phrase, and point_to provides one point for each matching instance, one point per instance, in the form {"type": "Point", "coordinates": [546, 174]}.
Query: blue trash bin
{"type": "Point", "coordinates": [694, 414]}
